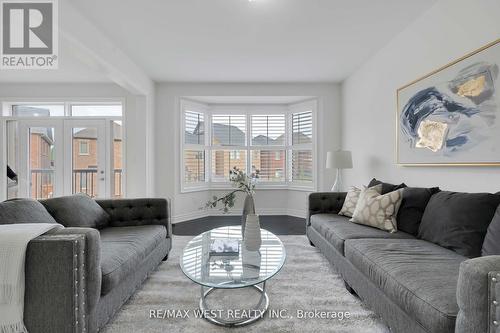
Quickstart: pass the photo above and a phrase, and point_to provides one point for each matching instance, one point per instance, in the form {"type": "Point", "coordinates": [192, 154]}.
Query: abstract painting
{"type": "Point", "coordinates": [452, 115]}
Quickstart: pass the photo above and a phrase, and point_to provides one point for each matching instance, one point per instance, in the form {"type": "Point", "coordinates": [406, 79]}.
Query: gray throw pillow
{"type": "Point", "coordinates": [412, 208]}
{"type": "Point", "coordinates": [77, 210]}
{"type": "Point", "coordinates": [24, 211]}
{"type": "Point", "coordinates": [458, 221]}
{"type": "Point", "coordinates": [491, 244]}
{"type": "Point", "coordinates": [386, 187]}
{"type": "Point", "coordinates": [378, 210]}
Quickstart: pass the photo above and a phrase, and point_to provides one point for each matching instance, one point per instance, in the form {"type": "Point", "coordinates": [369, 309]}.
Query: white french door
{"type": "Point", "coordinates": [65, 156]}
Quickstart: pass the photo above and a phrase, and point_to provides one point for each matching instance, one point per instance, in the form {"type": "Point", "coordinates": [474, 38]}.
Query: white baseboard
{"type": "Point", "coordinates": [235, 212]}
{"type": "Point", "coordinates": [189, 216]}
{"type": "Point", "coordinates": [296, 213]}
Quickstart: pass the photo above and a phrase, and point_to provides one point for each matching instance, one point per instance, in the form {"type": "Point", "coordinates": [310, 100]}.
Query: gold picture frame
{"type": "Point", "coordinates": [411, 93]}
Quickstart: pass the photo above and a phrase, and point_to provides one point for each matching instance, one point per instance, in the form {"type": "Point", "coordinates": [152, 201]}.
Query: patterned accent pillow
{"type": "Point", "coordinates": [378, 210]}
{"type": "Point", "coordinates": [351, 200]}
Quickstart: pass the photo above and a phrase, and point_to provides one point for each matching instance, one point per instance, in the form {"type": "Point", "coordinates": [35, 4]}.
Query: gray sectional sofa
{"type": "Point", "coordinates": [77, 277]}
{"type": "Point", "coordinates": [413, 284]}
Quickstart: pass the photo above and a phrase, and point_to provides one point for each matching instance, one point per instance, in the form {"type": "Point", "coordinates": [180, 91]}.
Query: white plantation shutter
{"type": "Point", "coordinates": [270, 164]}
{"type": "Point", "coordinates": [268, 130]}
{"type": "Point", "coordinates": [225, 160]}
{"type": "Point", "coordinates": [302, 128]}
{"type": "Point", "coordinates": [228, 130]}
{"type": "Point", "coordinates": [301, 153]}
{"type": "Point", "coordinates": [193, 153]}
{"type": "Point", "coordinates": [194, 128]}
{"type": "Point", "coordinates": [301, 166]}
{"type": "Point", "coordinates": [194, 166]}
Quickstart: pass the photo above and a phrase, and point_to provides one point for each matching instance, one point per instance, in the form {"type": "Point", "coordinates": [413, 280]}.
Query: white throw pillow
{"type": "Point", "coordinates": [351, 199]}
{"type": "Point", "coordinates": [378, 210]}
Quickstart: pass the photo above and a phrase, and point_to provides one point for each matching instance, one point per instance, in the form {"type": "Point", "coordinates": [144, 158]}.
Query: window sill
{"type": "Point", "coordinates": [258, 188]}
{"type": "Point", "coordinates": [191, 189]}
{"type": "Point", "coordinates": [224, 187]}
{"type": "Point", "coordinates": [302, 188]}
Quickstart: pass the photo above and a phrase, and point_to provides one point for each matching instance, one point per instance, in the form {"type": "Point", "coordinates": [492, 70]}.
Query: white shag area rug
{"type": "Point", "coordinates": [306, 288]}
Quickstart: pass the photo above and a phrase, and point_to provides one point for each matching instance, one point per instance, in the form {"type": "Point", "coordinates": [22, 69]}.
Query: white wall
{"type": "Point", "coordinates": [447, 31]}
{"type": "Point", "coordinates": [167, 152]}
{"type": "Point", "coordinates": [137, 168]}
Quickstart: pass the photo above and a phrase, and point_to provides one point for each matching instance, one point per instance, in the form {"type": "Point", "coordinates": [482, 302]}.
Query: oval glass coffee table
{"type": "Point", "coordinates": [247, 269]}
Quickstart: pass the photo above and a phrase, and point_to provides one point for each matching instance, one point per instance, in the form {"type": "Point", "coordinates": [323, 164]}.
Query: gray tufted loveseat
{"type": "Point", "coordinates": [79, 276]}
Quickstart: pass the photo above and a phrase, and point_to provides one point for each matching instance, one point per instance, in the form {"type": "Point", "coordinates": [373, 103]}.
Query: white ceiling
{"type": "Point", "coordinates": [257, 41]}
{"type": "Point", "coordinates": [236, 40]}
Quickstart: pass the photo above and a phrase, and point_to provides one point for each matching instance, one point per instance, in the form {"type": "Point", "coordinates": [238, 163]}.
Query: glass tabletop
{"type": "Point", "coordinates": [243, 269]}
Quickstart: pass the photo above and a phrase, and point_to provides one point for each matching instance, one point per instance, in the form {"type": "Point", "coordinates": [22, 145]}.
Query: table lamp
{"type": "Point", "coordinates": [340, 159]}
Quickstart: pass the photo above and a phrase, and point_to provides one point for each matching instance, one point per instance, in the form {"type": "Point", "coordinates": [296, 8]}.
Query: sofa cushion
{"type": "Point", "coordinates": [124, 248]}
{"type": "Point", "coordinates": [386, 187]}
{"type": "Point", "coordinates": [418, 276]}
{"type": "Point", "coordinates": [24, 211]}
{"type": "Point", "coordinates": [458, 221]}
{"type": "Point", "coordinates": [336, 229]}
{"type": "Point", "coordinates": [491, 244]}
{"type": "Point", "coordinates": [412, 208]}
{"type": "Point", "coordinates": [77, 210]}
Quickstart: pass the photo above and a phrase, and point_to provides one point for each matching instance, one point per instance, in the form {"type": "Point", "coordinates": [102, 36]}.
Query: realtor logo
{"type": "Point", "coordinates": [29, 38]}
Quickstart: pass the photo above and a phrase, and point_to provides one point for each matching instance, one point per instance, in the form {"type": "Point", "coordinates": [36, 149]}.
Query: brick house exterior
{"type": "Point", "coordinates": [270, 163]}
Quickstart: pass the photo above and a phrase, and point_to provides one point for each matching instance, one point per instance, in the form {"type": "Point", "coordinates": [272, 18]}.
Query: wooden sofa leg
{"type": "Point", "coordinates": [165, 259]}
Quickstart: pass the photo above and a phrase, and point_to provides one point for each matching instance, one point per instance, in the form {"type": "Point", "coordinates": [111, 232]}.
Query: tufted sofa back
{"type": "Point", "coordinates": [134, 212]}
{"type": "Point", "coordinates": [325, 203]}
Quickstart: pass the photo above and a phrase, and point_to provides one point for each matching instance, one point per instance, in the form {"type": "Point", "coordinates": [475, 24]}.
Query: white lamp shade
{"type": "Point", "coordinates": [340, 159]}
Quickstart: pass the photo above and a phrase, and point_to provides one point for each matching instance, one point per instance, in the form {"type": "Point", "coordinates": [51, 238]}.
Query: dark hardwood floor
{"type": "Point", "coordinates": [277, 224]}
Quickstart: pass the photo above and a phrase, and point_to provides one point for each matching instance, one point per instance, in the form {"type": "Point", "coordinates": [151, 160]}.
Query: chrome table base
{"type": "Point", "coordinates": [259, 313]}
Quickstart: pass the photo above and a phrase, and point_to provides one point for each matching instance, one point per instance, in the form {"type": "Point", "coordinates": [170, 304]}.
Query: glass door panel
{"type": "Point", "coordinates": [39, 172]}
{"type": "Point", "coordinates": [85, 156]}
{"type": "Point", "coordinates": [12, 136]}
{"type": "Point", "coordinates": [85, 168]}
{"type": "Point", "coordinates": [42, 164]}
{"type": "Point", "coordinates": [117, 157]}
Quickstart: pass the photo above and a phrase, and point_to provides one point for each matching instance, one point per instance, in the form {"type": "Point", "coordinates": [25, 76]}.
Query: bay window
{"type": "Point", "coordinates": [274, 142]}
